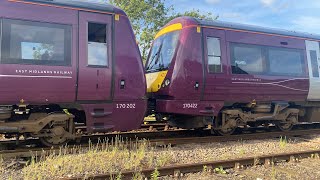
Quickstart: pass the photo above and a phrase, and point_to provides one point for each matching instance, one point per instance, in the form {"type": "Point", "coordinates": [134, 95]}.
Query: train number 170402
{"type": "Point", "coordinates": [126, 106]}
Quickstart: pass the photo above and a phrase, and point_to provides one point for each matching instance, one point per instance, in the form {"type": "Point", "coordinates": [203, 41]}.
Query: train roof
{"type": "Point", "coordinates": [238, 26]}
{"type": "Point", "coordinates": [81, 4]}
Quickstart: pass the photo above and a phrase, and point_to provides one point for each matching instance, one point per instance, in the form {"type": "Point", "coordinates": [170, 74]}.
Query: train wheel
{"type": "Point", "coordinates": [228, 128]}
{"type": "Point", "coordinates": [57, 137]}
{"type": "Point", "coordinates": [285, 126]}
{"type": "Point", "coordinates": [225, 132]}
{"type": "Point", "coordinates": [54, 141]}
{"type": "Point", "coordinates": [288, 124]}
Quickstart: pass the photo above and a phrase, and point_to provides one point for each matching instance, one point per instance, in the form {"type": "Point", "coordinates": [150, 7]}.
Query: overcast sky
{"type": "Point", "coordinates": [296, 15]}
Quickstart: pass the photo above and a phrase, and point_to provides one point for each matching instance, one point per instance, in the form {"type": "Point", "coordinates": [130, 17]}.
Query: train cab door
{"type": "Point", "coordinates": [313, 56]}
{"type": "Point", "coordinates": [95, 64]}
{"type": "Point", "coordinates": [215, 64]}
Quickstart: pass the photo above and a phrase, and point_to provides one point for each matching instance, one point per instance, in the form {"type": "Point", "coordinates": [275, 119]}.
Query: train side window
{"type": "Point", "coordinates": [214, 55]}
{"type": "Point", "coordinates": [247, 59]}
{"type": "Point", "coordinates": [285, 62]}
{"type": "Point", "coordinates": [0, 37]}
{"type": "Point", "coordinates": [314, 63]}
{"type": "Point", "coordinates": [97, 45]}
{"type": "Point", "coordinates": [28, 42]}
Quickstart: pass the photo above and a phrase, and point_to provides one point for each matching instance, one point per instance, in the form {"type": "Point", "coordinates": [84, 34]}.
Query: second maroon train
{"type": "Point", "coordinates": [81, 66]}
{"type": "Point", "coordinates": [226, 75]}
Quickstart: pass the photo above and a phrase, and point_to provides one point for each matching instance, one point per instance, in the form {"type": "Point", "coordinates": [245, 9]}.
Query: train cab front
{"type": "Point", "coordinates": [174, 74]}
{"type": "Point", "coordinates": [158, 66]}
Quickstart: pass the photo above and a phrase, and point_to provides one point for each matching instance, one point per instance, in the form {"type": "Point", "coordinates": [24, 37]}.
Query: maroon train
{"type": "Point", "coordinates": [67, 63]}
{"type": "Point", "coordinates": [70, 63]}
{"type": "Point", "coordinates": [225, 75]}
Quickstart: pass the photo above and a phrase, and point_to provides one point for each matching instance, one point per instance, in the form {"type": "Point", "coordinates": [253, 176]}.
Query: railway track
{"type": "Point", "coordinates": [158, 141]}
{"type": "Point", "coordinates": [176, 170]}
{"type": "Point", "coordinates": [147, 130]}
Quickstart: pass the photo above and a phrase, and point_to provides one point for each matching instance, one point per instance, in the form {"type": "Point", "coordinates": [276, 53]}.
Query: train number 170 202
{"type": "Point", "coordinates": [126, 106]}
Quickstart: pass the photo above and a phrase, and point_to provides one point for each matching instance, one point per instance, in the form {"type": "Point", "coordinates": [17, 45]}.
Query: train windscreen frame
{"type": "Point", "coordinates": [162, 52]}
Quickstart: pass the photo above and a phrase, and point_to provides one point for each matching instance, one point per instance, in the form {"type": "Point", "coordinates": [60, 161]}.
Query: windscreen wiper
{"type": "Point", "coordinates": [153, 58]}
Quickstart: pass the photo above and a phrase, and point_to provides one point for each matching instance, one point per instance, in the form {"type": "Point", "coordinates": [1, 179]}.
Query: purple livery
{"type": "Point", "coordinates": [224, 75]}
{"type": "Point", "coordinates": [74, 59]}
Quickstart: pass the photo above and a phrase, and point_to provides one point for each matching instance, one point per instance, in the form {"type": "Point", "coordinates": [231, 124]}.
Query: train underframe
{"type": "Point", "coordinates": [52, 124]}
{"type": "Point", "coordinates": [283, 115]}
{"type": "Point", "coordinates": [57, 124]}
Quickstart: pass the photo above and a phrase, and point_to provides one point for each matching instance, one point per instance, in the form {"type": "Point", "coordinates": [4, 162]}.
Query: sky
{"type": "Point", "coordinates": [294, 15]}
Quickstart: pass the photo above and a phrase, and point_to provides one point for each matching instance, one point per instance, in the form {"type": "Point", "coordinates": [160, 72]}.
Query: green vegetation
{"type": "Point", "coordinates": [220, 170]}
{"type": "Point", "coordinates": [44, 52]}
{"type": "Point", "coordinates": [242, 152]}
{"type": "Point", "coordinates": [102, 158]}
{"type": "Point", "coordinates": [148, 16]}
{"type": "Point", "coordinates": [155, 174]}
{"type": "Point", "coordinates": [273, 173]}
{"type": "Point", "coordinates": [283, 142]}
{"type": "Point", "coordinates": [2, 166]}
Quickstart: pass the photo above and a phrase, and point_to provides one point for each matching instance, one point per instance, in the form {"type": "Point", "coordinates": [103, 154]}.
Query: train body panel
{"type": "Point", "coordinates": [130, 81]}
{"type": "Point", "coordinates": [25, 81]}
{"type": "Point", "coordinates": [229, 84]}
{"type": "Point", "coordinates": [111, 116]}
{"type": "Point", "coordinates": [190, 107]}
{"type": "Point", "coordinates": [72, 55]}
{"type": "Point", "coordinates": [95, 75]}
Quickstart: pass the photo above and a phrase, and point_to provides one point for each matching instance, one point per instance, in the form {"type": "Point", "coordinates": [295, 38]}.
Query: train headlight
{"type": "Point", "coordinates": [167, 82]}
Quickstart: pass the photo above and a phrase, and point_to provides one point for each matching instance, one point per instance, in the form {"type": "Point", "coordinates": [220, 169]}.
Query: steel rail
{"type": "Point", "coordinates": [30, 152]}
{"type": "Point", "coordinates": [146, 130]}
{"type": "Point", "coordinates": [176, 170]}
{"type": "Point", "coordinates": [108, 136]}
{"type": "Point", "coordinates": [255, 136]}
{"type": "Point", "coordinates": [142, 133]}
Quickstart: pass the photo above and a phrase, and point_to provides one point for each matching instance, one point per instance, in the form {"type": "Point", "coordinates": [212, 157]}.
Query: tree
{"type": "Point", "coordinates": [193, 13]}
{"type": "Point", "coordinates": [43, 52]}
{"type": "Point", "coordinates": [148, 16]}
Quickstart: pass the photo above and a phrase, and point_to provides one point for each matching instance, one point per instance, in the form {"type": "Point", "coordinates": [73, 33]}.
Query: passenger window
{"type": "Point", "coordinates": [247, 59]}
{"type": "Point", "coordinates": [0, 37]}
{"type": "Point", "coordinates": [314, 63]}
{"type": "Point", "coordinates": [214, 55]}
{"type": "Point", "coordinates": [97, 45]}
{"type": "Point", "coordinates": [27, 42]}
{"type": "Point", "coordinates": [286, 62]}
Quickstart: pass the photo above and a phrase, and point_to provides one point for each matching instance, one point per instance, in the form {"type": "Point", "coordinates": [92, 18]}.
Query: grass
{"type": "Point", "coordinates": [220, 170]}
{"type": "Point", "coordinates": [283, 142]}
{"type": "Point", "coordinates": [242, 152]}
{"type": "Point", "coordinates": [273, 174]}
{"type": "Point", "coordinates": [155, 175]}
{"type": "Point", "coordinates": [97, 159]}
{"type": "Point", "coordinates": [2, 166]}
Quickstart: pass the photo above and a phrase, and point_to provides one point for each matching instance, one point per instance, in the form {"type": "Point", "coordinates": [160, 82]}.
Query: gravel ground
{"type": "Point", "coordinates": [192, 153]}
{"type": "Point", "coordinates": [307, 169]}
